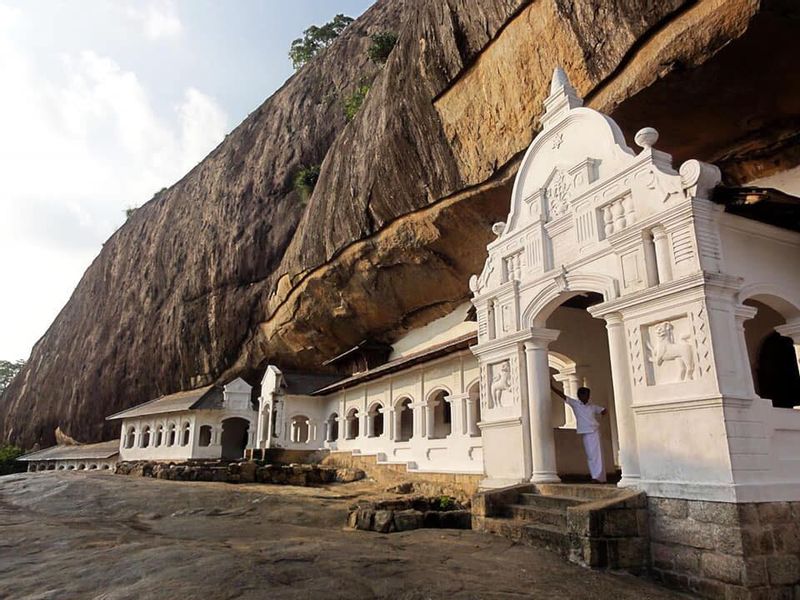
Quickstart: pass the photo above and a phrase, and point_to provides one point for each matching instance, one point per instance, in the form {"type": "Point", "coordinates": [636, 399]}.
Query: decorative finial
{"type": "Point", "coordinates": [646, 138]}
{"type": "Point", "coordinates": [498, 228]}
{"type": "Point", "coordinates": [560, 80]}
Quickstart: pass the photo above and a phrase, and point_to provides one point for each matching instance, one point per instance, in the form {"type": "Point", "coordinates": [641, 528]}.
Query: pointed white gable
{"type": "Point", "coordinates": [579, 184]}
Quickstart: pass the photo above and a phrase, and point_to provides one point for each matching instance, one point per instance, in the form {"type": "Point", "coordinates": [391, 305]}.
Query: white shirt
{"type": "Point", "coordinates": [584, 415]}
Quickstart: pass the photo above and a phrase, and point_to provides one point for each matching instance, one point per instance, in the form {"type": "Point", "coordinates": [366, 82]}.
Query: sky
{"type": "Point", "coordinates": [105, 102]}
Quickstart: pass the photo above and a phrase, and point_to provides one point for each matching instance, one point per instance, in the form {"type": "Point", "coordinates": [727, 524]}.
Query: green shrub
{"type": "Point", "coordinates": [316, 39]}
{"type": "Point", "coordinates": [353, 104]}
{"type": "Point", "coordinates": [444, 503]}
{"type": "Point", "coordinates": [382, 45]}
{"type": "Point", "coordinates": [304, 181]}
{"type": "Point", "coordinates": [8, 459]}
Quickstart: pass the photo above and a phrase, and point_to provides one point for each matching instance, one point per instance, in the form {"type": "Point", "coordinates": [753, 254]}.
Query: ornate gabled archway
{"type": "Point", "coordinates": [588, 214]}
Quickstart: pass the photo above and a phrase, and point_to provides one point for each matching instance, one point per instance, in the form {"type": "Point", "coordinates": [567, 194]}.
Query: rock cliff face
{"type": "Point", "coordinates": [229, 268]}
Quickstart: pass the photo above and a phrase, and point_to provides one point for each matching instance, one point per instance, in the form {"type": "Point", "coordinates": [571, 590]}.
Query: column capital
{"type": "Point", "coordinates": [540, 338]}
{"type": "Point", "coordinates": [743, 312]}
{"type": "Point", "coordinates": [790, 330]}
{"type": "Point", "coordinates": [613, 319]}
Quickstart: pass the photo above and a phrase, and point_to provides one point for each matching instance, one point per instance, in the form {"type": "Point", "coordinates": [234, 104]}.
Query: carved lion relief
{"type": "Point", "coordinates": [671, 351]}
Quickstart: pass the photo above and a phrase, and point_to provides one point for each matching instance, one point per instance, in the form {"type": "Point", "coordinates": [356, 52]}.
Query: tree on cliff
{"type": "Point", "coordinates": [9, 370]}
{"type": "Point", "coordinates": [316, 39]}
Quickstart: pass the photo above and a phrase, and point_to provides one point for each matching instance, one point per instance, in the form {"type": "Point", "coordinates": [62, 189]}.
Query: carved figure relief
{"type": "Point", "coordinates": [666, 348]}
{"type": "Point", "coordinates": [556, 194]}
{"type": "Point", "coordinates": [501, 383]}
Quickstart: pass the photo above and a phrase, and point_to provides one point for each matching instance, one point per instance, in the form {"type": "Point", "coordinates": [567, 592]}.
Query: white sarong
{"type": "Point", "coordinates": [594, 455]}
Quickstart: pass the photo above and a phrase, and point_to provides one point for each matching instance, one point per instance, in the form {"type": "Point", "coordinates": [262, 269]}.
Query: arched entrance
{"type": "Point", "coordinates": [579, 357]}
{"type": "Point", "coordinates": [772, 354]}
{"type": "Point", "coordinates": [234, 437]}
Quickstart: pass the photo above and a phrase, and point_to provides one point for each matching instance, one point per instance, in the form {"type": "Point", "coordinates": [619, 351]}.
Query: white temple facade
{"type": "Point", "coordinates": [614, 271]}
{"type": "Point", "coordinates": [214, 422]}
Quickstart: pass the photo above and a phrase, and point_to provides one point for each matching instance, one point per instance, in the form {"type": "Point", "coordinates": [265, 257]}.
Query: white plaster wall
{"type": "Point", "coordinates": [179, 452]}
{"type": "Point", "coordinates": [458, 452]}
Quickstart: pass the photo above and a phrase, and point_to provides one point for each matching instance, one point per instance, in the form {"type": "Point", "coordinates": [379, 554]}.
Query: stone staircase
{"type": "Point", "coordinates": [599, 526]}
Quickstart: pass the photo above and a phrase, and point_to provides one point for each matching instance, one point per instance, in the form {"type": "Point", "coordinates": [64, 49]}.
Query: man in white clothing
{"type": "Point", "coordinates": [589, 430]}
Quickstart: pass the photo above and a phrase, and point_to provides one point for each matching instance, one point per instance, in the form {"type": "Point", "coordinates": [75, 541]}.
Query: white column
{"type": "Point", "coordinates": [543, 443]}
{"type": "Point", "coordinates": [663, 258]}
{"type": "Point", "coordinates": [471, 404]}
{"type": "Point", "coordinates": [429, 422]}
{"type": "Point", "coordinates": [369, 429]}
{"type": "Point", "coordinates": [623, 399]}
{"type": "Point", "coordinates": [792, 330]}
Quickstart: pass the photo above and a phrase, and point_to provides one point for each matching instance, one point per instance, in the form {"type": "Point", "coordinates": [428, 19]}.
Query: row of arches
{"type": "Point", "coordinates": [156, 437]}
{"type": "Point", "coordinates": [52, 466]}
{"type": "Point", "coordinates": [437, 418]}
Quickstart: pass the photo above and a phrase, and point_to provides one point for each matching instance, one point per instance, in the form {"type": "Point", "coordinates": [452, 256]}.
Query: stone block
{"type": "Point", "coordinates": [349, 475]}
{"type": "Point", "coordinates": [774, 512]}
{"type": "Point", "coordinates": [757, 540]}
{"type": "Point", "coordinates": [669, 507]}
{"type": "Point", "coordinates": [431, 520]}
{"type": "Point", "coordinates": [748, 514]}
{"type": "Point", "coordinates": [627, 553]}
{"type": "Point", "coordinates": [456, 519]}
{"type": "Point", "coordinates": [721, 513]}
{"type": "Point", "coordinates": [297, 478]}
{"type": "Point", "coordinates": [783, 569]}
{"type": "Point", "coordinates": [755, 571]}
{"type": "Point", "coordinates": [247, 472]}
{"type": "Point", "coordinates": [687, 559]}
{"type": "Point", "coordinates": [383, 521]}
{"type": "Point", "coordinates": [720, 567]}
{"type": "Point", "coordinates": [406, 520]}
{"type": "Point", "coordinates": [364, 519]}
{"type": "Point", "coordinates": [662, 556]}
{"type": "Point", "coordinates": [620, 523]}
{"type": "Point", "coordinates": [707, 588]}
{"type": "Point", "coordinates": [787, 538]}
{"type": "Point", "coordinates": [352, 519]}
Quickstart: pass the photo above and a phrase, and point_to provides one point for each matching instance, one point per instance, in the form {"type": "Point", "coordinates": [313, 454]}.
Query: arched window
{"type": "Point", "coordinates": [204, 437]}
{"type": "Point", "coordinates": [352, 424]}
{"type": "Point", "coordinates": [144, 441]}
{"type": "Point", "coordinates": [130, 437]}
{"type": "Point", "coordinates": [171, 435]}
{"type": "Point", "coordinates": [332, 428]}
{"type": "Point", "coordinates": [439, 424]}
{"type": "Point", "coordinates": [300, 429]}
{"type": "Point", "coordinates": [375, 420]}
{"type": "Point", "coordinates": [403, 420]}
{"type": "Point", "coordinates": [159, 435]}
{"type": "Point", "coordinates": [186, 435]}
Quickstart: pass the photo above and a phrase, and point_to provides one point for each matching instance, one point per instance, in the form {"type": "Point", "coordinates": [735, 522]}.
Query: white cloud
{"type": "Point", "coordinates": [77, 148]}
{"type": "Point", "coordinates": [158, 19]}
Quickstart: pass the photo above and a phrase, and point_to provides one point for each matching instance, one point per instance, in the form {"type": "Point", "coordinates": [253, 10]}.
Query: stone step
{"type": "Point", "coordinates": [548, 501]}
{"type": "Point", "coordinates": [581, 491]}
{"type": "Point", "coordinates": [537, 514]}
{"type": "Point", "coordinates": [550, 537]}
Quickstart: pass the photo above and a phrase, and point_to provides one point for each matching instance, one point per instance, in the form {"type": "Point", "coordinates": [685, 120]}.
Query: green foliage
{"type": "Point", "coordinates": [354, 102]}
{"type": "Point", "coordinates": [9, 370]}
{"type": "Point", "coordinates": [8, 456]}
{"type": "Point", "coordinates": [316, 39]}
{"type": "Point", "coordinates": [444, 503]}
{"type": "Point", "coordinates": [129, 211]}
{"type": "Point", "coordinates": [305, 180]}
{"type": "Point", "coordinates": [382, 45]}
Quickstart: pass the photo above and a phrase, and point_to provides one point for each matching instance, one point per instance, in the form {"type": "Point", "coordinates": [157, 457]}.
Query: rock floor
{"type": "Point", "coordinates": [95, 535]}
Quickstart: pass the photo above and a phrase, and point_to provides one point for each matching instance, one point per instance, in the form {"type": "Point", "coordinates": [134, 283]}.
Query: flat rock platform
{"type": "Point", "coordinates": [75, 535]}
